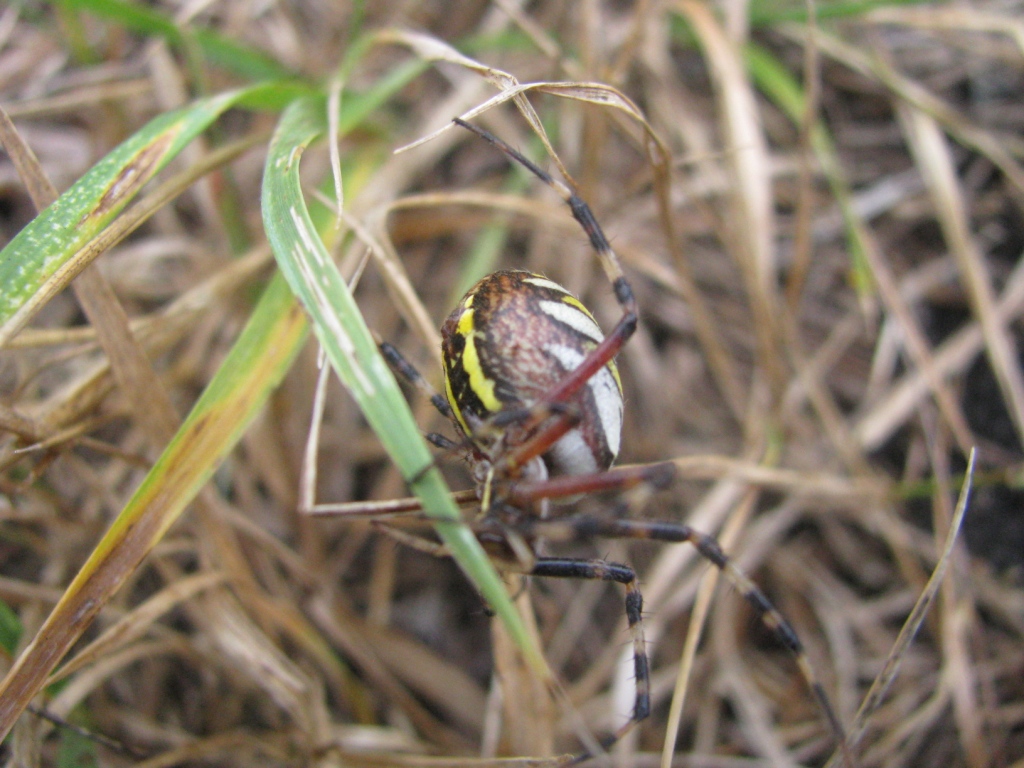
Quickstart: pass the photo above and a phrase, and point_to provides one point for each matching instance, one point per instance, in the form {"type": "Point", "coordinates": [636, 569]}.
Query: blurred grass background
{"type": "Point", "coordinates": [825, 247]}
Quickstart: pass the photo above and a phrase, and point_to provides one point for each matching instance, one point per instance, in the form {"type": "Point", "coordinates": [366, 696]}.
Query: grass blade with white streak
{"type": "Point", "coordinates": [353, 353]}
{"type": "Point", "coordinates": [58, 243]}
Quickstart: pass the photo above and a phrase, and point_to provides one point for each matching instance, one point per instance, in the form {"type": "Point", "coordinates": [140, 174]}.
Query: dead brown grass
{"type": "Point", "coordinates": [819, 417]}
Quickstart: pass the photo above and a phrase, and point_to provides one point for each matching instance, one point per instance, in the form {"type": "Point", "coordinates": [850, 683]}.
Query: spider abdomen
{"type": "Point", "coordinates": [512, 338]}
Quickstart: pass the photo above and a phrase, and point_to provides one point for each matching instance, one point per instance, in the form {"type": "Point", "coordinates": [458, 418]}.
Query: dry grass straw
{"type": "Point", "coordinates": [827, 328]}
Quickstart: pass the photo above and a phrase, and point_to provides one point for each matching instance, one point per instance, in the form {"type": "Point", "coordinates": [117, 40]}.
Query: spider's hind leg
{"type": "Point", "coordinates": [589, 526]}
{"type": "Point", "coordinates": [603, 570]}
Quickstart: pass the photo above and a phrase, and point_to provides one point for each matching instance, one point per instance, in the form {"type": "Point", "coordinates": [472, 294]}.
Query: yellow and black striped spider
{"type": "Point", "coordinates": [532, 389]}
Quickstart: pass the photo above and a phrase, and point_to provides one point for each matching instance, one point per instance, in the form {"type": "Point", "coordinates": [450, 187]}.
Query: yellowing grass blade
{"type": "Point", "coordinates": [260, 357]}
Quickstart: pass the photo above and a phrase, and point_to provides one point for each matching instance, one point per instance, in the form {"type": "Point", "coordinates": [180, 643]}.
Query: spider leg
{"type": "Point", "coordinates": [408, 371]}
{"type": "Point", "coordinates": [396, 360]}
{"type": "Point", "coordinates": [580, 211]}
{"type": "Point", "coordinates": [603, 570]}
{"type": "Point", "coordinates": [541, 441]}
{"type": "Point", "coordinates": [656, 476]}
{"type": "Point", "coordinates": [589, 526]}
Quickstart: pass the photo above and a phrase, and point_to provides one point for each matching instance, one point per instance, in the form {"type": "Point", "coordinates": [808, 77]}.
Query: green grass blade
{"type": "Point", "coordinates": [216, 49]}
{"type": "Point", "coordinates": [353, 353]}
{"type": "Point", "coordinates": [766, 13]}
{"type": "Point", "coordinates": [54, 247]}
{"type": "Point", "coordinates": [776, 82]}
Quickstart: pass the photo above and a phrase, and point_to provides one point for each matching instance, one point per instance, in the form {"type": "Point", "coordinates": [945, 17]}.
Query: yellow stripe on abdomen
{"type": "Point", "coordinates": [482, 386]}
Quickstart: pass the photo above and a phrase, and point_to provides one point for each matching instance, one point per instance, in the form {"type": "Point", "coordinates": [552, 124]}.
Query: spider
{"type": "Point", "coordinates": [533, 392]}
